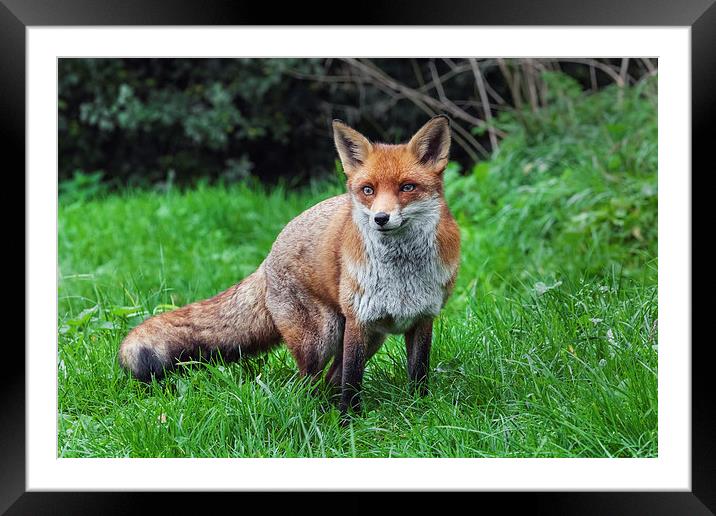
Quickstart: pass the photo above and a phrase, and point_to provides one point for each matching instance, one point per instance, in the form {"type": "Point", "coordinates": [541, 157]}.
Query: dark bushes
{"type": "Point", "coordinates": [148, 121]}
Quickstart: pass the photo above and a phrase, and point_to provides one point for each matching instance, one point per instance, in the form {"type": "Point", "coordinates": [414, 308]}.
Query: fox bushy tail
{"type": "Point", "coordinates": [233, 323]}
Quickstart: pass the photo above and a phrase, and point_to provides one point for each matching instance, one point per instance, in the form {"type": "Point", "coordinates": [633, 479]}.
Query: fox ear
{"type": "Point", "coordinates": [353, 148]}
{"type": "Point", "coordinates": [431, 144]}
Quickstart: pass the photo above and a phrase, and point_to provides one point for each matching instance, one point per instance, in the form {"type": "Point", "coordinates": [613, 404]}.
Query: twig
{"type": "Point", "coordinates": [417, 72]}
{"type": "Point", "coordinates": [437, 82]}
{"type": "Point", "coordinates": [495, 95]}
{"type": "Point", "coordinates": [451, 64]}
{"type": "Point", "coordinates": [444, 77]}
{"type": "Point", "coordinates": [649, 66]}
{"type": "Point", "coordinates": [622, 79]}
{"type": "Point", "coordinates": [531, 86]}
{"type": "Point", "coordinates": [511, 83]}
{"type": "Point", "coordinates": [485, 102]}
{"type": "Point", "coordinates": [598, 65]}
{"type": "Point", "coordinates": [623, 72]}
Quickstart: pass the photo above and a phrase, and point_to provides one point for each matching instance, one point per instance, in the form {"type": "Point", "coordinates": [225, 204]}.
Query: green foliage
{"type": "Point", "coordinates": [579, 196]}
{"type": "Point", "coordinates": [82, 186]}
{"type": "Point", "coordinates": [548, 347]}
{"type": "Point", "coordinates": [139, 118]}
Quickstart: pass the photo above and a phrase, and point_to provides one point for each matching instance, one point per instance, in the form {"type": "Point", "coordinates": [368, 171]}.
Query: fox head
{"type": "Point", "coordinates": [394, 187]}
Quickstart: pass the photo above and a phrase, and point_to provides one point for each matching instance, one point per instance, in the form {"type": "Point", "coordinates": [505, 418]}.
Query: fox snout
{"type": "Point", "coordinates": [384, 211]}
{"type": "Point", "coordinates": [381, 218]}
{"type": "Point", "coordinates": [385, 221]}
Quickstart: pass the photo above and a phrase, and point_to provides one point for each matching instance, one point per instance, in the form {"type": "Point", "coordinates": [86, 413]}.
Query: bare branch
{"type": "Point", "coordinates": [449, 62]}
{"type": "Point", "coordinates": [512, 83]}
{"type": "Point", "coordinates": [623, 72]}
{"type": "Point", "coordinates": [530, 83]}
{"type": "Point", "coordinates": [417, 72]}
{"type": "Point", "coordinates": [495, 95]}
{"type": "Point", "coordinates": [598, 65]}
{"type": "Point", "coordinates": [485, 102]}
{"type": "Point", "coordinates": [438, 84]}
{"type": "Point", "coordinates": [649, 65]}
{"type": "Point", "coordinates": [457, 69]}
{"type": "Point", "coordinates": [445, 77]}
{"type": "Point", "coordinates": [412, 94]}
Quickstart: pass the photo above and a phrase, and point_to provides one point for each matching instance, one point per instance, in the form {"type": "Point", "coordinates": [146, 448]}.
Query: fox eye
{"type": "Point", "coordinates": [367, 190]}
{"type": "Point", "coordinates": [407, 188]}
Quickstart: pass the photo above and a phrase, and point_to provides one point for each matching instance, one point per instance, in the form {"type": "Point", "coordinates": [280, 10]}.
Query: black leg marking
{"type": "Point", "coordinates": [418, 341]}
{"type": "Point", "coordinates": [353, 368]}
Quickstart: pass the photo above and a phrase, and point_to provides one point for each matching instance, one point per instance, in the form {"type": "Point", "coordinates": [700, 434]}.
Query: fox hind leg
{"type": "Point", "coordinates": [312, 332]}
{"type": "Point", "coordinates": [314, 345]}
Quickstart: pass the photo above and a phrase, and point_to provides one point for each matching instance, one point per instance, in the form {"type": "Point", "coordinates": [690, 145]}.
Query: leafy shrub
{"type": "Point", "coordinates": [82, 186]}
{"type": "Point", "coordinates": [572, 189]}
{"type": "Point", "coordinates": [138, 119]}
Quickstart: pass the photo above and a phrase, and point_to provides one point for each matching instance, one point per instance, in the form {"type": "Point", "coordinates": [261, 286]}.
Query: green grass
{"type": "Point", "coordinates": [548, 347]}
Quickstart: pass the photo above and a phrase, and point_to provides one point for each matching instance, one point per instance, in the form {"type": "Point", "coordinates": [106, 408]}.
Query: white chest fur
{"type": "Point", "coordinates": [403, 277]}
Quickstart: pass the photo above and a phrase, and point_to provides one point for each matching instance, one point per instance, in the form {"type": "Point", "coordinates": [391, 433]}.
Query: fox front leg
{"type": "Point", "coordinates": [417, 343]}
{"type": "Point", "coordinates": [354, 356]}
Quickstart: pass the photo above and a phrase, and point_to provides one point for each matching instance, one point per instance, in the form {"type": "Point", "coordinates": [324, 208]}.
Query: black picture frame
{"type": "Point", "coordinates": [17, 15]}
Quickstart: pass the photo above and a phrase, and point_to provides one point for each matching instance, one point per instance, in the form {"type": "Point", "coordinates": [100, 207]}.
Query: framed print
{"type": "Point", "coordinates": [528, 330]}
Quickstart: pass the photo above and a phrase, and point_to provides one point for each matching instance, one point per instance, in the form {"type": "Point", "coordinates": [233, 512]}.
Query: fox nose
{"type": "Point", "coordinates": [381, 218]}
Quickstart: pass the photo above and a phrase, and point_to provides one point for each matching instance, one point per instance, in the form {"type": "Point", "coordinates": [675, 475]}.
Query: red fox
{"type": "Point", "coordinates": [380, 259]}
